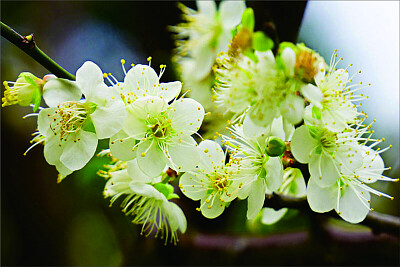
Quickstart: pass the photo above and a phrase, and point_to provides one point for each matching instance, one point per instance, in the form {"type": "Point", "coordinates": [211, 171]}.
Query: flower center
{"type": "Point", "coordinates": [305, 65]}
{"type": "Point", "coordinates": [69, 118]}
{"type": "Point", "coordinates": [159, 127]}
{"type": "Point", "coordinates": [328, 140]}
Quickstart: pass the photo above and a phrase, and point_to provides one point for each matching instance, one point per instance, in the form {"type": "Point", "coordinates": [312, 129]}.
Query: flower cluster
{"type": "Point", "coordinates": [283, 107]}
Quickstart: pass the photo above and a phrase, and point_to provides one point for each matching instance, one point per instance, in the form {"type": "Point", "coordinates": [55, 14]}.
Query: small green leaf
{"type": "Point", "coordinates": [248, 19]}
{"type": "Point", "coordinates": [261, 42]}
{"type": "Point", "coordinates": [171, 196]}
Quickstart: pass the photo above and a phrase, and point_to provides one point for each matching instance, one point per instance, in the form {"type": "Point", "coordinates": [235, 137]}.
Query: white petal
{"type": "Point", "coordinates": [274, 176]}
{"type": "Point", "coordinates": [152, 163]}
{"type": "Point", "coordinates": [374, 166]}
{"type": "Point", "coordinates": [185, 154]}
{"type": "Point", "coordinates": [136, 173]}
{"type": "Point", "coordinates": [52, 151]}
{"type": "Point", "coordinates": [88, 78]}
{"type": "Point", "coordinates": [313, 94]}
{"type": "Point", "coordinates": [177, 218]}
{"type": "Point", "coordinates": [250, 129]}
{"type": "Point", "coordinates": [333, 121]}
{"type": "Point", "coordinates": [321, 199]}
{"type": "Point", "coordinates": [276, 128]}
{"type": "Point", "coordinates": [213, 209]}
{"type": "Point", "coordinates": [76, 155]}
{"type": "Point", "coordinates": [289, 59]}
{"type": "Point", "coordinates": [186, 115]}
{"type": "Point", "coordinates": [292, 109]}
{"type": "Point", "coordinates": [62, 169]}
{"type": "Point", "coordinates": [208, 8]}
{"type": "Point", "coordinates": [223, 41]}
{"type": "Point", "coordinates": [256, 198]}
{"type": "Point", "coordinates": [147, 191]}
{"type": "Point", "coordinates": [271, 216]}
{"type": "Point", "coordinates": [122, 150]}
{"type": "Point", "coordinates": [211, 154]}
{"type": "Point", "coordinates": [109, 120]}
{"type": "Point", "coordinates": [350, 157]}
{"type": "Point", "coordinates": [57, 91]}
{"type": "Point", "coordinates": [353, 205]}
{"type": "Point", "coordinates": [323, 169]}
{"type": "Point", "coordinates": [194, 185]}
{"type": "Point", "coordinates": [142, 77]}
{"type": "Point", "coordinates": [231, 13]}
{"type": "Point", "coordinates": [204, 59]}
{"type": "Point", "coordinates": [302, 144]}
{"type": "Point", "coordinates": [170, 90]}
{"type": "Point", "coordinates": [44, 120]}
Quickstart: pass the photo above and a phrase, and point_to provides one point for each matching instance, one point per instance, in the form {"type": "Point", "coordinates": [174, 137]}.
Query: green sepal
{"type": "Point", "coordinates": [261, 42]}
{"type": "Point", "coordinates": [173, 195]}
{"type": "Point", "coordinates": [88, 125]}
{"type": "Point", "coordinates": [36, 99]}
{"type": "Point", "coordinates": [248, 20]}
{"type": "Point", "coordinates": [90, 107]}
{"type": "Point", "coordinates": [30, 78]}
{"type": "Point", "coordinates": [167, 190]}
{"type": "Point", "coordinates": [283, 45]}
{"type": "Point", "coordinates": [316, 113]}
{"type": "Point", "coordinates": [250, 54]}
{"type": "Point", "coordinates": [227, 204]}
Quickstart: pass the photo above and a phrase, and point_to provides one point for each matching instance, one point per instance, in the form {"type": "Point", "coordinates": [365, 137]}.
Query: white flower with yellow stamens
{"type": "Point", "coordinates": [349, 195]}
{"type": "Point", "coordinates": [260, 91]}
{"type": "Point", "coordinates": [261, 165]}
{"type": "Point", "coordinates": [333, 98]}
{"type": "Point", "coordinates": [149, 203]}
{"type": "Point", "coordinates": [212, 181]}
{"type": "Point", "coordinates": [142, 80]}
{"type": "Point", "coordinates": [159, 134]}
{"type": "Point", "coordinates": [72, 126]}
{"type": "Point", "coordinates": [205, 33]}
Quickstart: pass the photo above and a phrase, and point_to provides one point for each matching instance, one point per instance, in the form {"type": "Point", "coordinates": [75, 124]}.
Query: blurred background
{"type": "Point", "coordinates": [45, 223]}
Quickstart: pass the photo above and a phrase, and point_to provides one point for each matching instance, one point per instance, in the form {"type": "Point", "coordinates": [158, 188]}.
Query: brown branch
{"type": "Point", "coordinates": [378, 222]}
{"type": "Point", "coordinates": [28, 45]}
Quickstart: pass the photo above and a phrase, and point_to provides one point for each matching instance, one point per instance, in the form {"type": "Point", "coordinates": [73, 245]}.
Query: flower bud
{"type": "Point", "coordinates": [28, 89]}
{"type": "Point", "coordinates": [275, 147]}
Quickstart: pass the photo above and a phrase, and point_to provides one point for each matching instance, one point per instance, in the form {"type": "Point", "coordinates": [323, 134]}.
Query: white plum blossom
{"type": "Point", "coordinates": [204, 34]}
{"type": "Point", "coordinates": [148, 203]}
{"type": "Point", "coordinates": [142, 80]}
{"type": "Point", "coordinates": [160, 134]}
{"type": "Point", "coordinates": [212, 181]}
{"type": "Point", "coordinates": [350, 196]}
{"type": "Point", "coordinates": [71, 126]}
{"type": "Point", "coordinates": [259, 90]}
{"type": "Point", "coordinates": [260, 172]}
{"type": "Point", "coordinates": [332, 99]}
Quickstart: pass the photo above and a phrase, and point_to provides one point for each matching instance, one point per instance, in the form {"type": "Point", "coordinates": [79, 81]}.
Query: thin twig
{"type": "Point", "coordinates": [378, 222]}
{"type": "Point", "coordinates": [28, 45]}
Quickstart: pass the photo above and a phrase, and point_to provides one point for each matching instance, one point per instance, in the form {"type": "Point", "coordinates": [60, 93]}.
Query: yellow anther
{"type": "Point", "coordinates": [105, 75]}
{"type": "Point", "coordinates": [149, 58]}
{"type": "Point", "coordinates": [143, 154]}
{"type": "Point", "coordinates": [122, 61]}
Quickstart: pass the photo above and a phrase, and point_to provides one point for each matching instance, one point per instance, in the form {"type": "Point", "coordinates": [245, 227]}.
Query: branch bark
{"type": "Point", "coordinates": [28, 45]}
{"type": "Point", "coordinates": [378, 222]}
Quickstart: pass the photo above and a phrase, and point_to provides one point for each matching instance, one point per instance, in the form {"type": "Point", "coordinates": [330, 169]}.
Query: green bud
{"type": "Point", "coordinates": [283, 45]}
{"type": "Point", "coordinates": [28, 89]}
{"type": "Point", "coordinates": [167, 190]}
{"type": "Point", "coordinates": [261, 42]}
{"type": "Point", "coordinates": [275, 147]}
{"type": "Point", "coordinates": [248, 19]}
